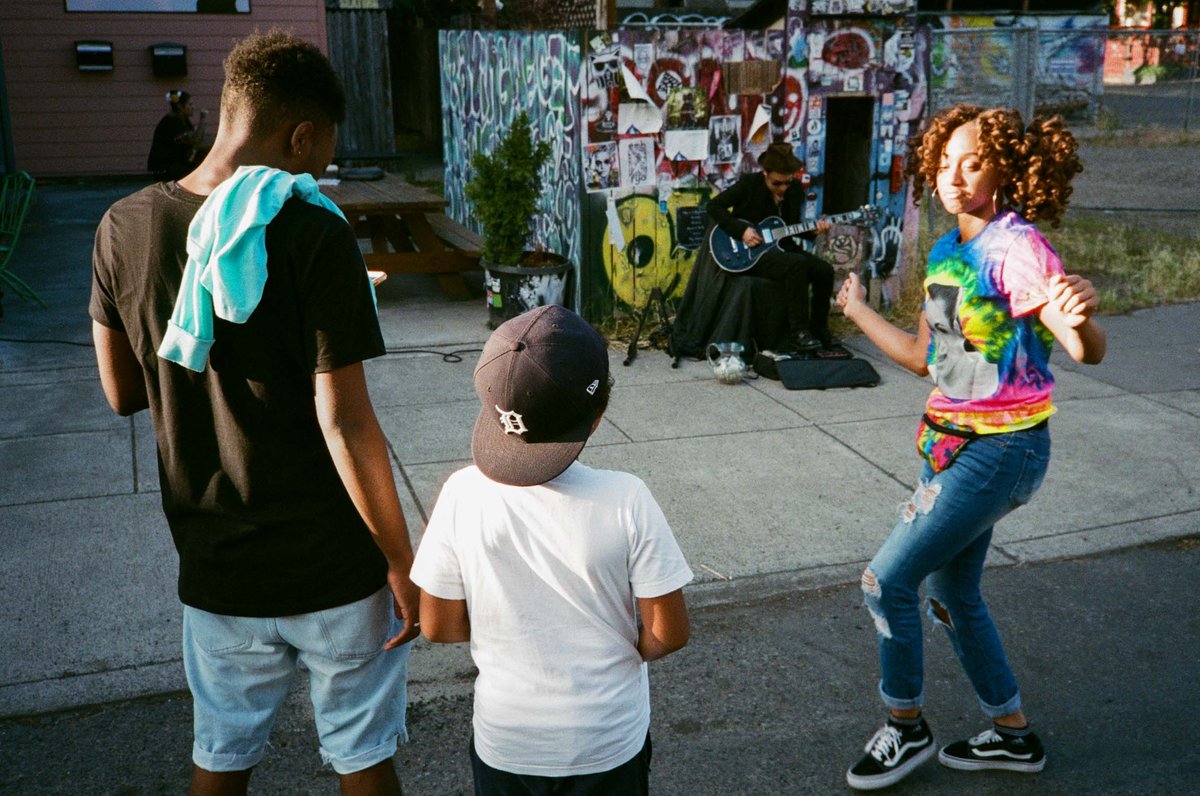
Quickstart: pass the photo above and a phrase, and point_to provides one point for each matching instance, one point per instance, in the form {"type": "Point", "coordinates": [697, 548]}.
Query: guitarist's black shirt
{"type": "Point", "coordinates": [749, 201]}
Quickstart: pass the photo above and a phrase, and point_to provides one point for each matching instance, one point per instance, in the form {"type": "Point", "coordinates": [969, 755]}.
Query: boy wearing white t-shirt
{"type": "Point", "coordinates": [545, 565]}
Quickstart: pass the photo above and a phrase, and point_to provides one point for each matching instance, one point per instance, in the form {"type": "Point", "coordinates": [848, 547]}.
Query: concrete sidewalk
{"type": "Point", "coordinates": [768, 490]}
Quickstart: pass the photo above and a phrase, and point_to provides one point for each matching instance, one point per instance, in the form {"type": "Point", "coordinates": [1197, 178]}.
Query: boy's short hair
{"type": "Point", "coordinates": [543, 380]}
{"type": "Point", "coordinates": [273, 79]}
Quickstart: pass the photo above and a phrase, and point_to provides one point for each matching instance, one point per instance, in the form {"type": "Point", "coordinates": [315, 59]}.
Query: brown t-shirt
{"type": "Point", "coordinates": [262, 523]}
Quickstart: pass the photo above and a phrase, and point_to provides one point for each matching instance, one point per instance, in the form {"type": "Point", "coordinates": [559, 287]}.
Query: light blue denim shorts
{"type": "Point", "coordinates": [239, 670]}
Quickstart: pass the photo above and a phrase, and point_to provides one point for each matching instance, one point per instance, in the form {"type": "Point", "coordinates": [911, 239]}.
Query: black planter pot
{"type": "Point", "coordinates": [514, 289]}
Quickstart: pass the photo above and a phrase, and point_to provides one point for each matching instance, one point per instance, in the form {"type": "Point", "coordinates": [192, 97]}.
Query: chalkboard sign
{"type": "Point", "coordinates": [690, 226]}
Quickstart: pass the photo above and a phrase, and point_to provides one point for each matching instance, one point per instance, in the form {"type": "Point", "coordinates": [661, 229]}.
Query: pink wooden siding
{"type": "Point", "coordinates": [71, 123]}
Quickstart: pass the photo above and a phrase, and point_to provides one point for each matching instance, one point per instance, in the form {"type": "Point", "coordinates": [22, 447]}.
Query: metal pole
{"type": "Point", "coordinates": [1187, 113]}
{"type": "Point", "coordinates": [1025, 51]}
{"type": "Point", "coordinates": [8, 161]}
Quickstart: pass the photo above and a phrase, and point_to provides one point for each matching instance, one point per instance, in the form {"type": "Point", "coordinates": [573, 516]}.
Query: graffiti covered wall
{"type": "Point", "coordinates": [670, 118]}
{"type": "Point", "coordinates": [883, 59]}
{"type": "Point", "coordinates": [648, 125]}
{"type": "Point", "coordinates": [488, 78]}
{"type": "Point", "coordinates": [663, 131]}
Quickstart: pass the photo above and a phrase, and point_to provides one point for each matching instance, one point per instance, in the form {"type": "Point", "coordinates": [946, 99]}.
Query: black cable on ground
{"type": "Point", "coordinates": [447, 356]}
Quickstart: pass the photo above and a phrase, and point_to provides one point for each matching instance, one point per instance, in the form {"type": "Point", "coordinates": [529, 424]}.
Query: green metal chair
{"type": "Point", "coordinates": [15, 195]}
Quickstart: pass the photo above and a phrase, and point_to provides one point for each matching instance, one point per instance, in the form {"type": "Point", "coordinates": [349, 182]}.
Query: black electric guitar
{"type": "Point", "coordinates": [733, 255]}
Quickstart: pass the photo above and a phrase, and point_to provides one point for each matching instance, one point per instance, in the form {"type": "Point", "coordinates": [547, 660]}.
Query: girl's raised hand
{"type": "Point", "coordinates": [852, 291]}
{"type": "Point", "coordinates": [1073, 296]}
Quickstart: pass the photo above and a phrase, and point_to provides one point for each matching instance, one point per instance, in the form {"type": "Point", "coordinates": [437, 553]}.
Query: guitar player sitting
{"type": "Point", "coordinates": [806, 280]}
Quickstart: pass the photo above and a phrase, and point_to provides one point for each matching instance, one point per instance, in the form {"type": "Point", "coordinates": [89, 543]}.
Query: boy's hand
{"type": "Point", "coordinates": [406, 598]}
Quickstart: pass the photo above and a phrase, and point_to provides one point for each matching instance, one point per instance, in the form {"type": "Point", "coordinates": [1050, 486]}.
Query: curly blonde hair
{"type": "Point", "coordinates": [1035, 164]}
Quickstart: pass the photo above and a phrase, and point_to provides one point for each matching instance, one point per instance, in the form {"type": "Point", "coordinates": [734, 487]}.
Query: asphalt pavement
{"type": "Point", "coordinates": [778, 499]}
{"type": "Point", "coordinates": [774, 697]}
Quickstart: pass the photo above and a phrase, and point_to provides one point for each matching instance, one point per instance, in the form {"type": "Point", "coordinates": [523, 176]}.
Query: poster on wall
{"type": "Point", "coordinates": [643, 59]}
{"type": "Point", "coordinates": [680, 145]}
{"type": "Point", "coordinates": [724, 144]}
{"type": "Point", "coordinates": [857, 7]}
{"type": "Point", "coordinates": [600, 171]}
{"type": "Point", "coordinates": [760, 127]}
{"type": "Point", "coordinates": [639, 117]}
{"type": "Point", "coordinates": [690, 225]}
{"type": "Point", "coordinates": [606, 126]}
{"type": "Point", "coordinates": [687, 108]}
{"type": "Point", "coordinates": [167, 6]}
{"type": "Point", "coordinates": [606, 70]}
{"type": "Point", "coordinates": [637, 162]}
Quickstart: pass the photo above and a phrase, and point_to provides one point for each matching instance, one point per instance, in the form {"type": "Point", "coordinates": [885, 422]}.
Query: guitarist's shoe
{"type": "Point", "coordinates": [804, 343]}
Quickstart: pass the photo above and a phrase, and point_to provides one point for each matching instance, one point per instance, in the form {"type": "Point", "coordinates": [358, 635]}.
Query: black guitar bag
{"type": "Point", "coordinates": [817, 374]}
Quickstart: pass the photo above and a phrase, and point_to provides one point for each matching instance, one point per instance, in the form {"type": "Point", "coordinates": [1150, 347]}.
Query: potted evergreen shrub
{"type": "Point", "coordinates": [504, 191]}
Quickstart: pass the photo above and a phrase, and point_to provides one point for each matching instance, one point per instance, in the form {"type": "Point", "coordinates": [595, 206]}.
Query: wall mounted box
{"type": "Point", "coordinates": [94, 56]}
{"type": "Point", "coordinates": [169, 59]}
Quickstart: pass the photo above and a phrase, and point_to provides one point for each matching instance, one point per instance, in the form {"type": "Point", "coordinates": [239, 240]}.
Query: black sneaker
{"type": "Point", "coordinates": [829, 341]}
{"type": "Point", "coordinates": [991, 750]}
{"type": "Point", "coordinates": [805, 343]}
{"type": "Point", "coordinates": [892, 754]}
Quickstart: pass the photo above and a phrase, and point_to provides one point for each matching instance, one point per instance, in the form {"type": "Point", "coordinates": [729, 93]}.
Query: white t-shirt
{"type": "Point", "coordinates": [550, 574]}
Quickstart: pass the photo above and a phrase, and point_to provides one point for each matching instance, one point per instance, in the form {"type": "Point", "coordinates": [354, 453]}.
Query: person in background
{"type": "Point", "coordinates": [176, 148]}
{"type": "Point", "coordinates": [996, 300]}
{"type": "Point", "coordinates": [276, 482]}
{"type": "Point", "coordinates": [806, 280]}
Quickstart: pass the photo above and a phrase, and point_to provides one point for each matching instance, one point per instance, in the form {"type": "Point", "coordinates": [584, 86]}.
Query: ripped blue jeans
{"type": "Point", "coordinates": [942, 539]}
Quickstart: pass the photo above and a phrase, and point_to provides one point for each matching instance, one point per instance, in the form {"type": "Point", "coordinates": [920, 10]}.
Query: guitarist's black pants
{"type": "Point", "coordinates": [807, 285]}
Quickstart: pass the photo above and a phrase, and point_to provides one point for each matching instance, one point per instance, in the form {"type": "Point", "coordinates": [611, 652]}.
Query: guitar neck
{"type": "Point", "coordinates": [809, 226]}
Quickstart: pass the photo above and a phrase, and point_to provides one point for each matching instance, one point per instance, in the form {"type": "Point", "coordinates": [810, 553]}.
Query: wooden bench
{"type": "Point", "coordinates": [455, 235]}
{"type": "Point", "coordinates": [462, 250]}
{"type": "Point", "coordinates": [407, 231]}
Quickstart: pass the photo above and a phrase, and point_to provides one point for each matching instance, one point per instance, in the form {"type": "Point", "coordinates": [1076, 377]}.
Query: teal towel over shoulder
{"type": "Point", "coordinates": [226, 268]}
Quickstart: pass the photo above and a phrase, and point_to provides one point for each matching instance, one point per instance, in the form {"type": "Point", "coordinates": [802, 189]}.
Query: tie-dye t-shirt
{"type": "Point", "coordinates": [988, 352]}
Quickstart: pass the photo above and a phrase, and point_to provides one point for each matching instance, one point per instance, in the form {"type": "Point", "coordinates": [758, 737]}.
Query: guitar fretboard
{"type": "Point", "coordinates": [809, 226]}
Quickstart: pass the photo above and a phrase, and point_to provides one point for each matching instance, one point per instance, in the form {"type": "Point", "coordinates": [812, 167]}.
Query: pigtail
{"type": "Point", "coordinates": [1002, 145]}
{"type": "Point", "coordinates": [1051, 161]}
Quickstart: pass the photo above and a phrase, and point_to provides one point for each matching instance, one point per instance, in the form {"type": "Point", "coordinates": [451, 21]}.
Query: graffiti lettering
{"type": "Point", "coordinates": [488, 77]}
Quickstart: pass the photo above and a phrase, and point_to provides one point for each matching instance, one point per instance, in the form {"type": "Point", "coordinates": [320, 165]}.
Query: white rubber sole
{"type": "Point", "coordinates": [990, 765]}
{"type": "Point", "coordinates": [893, 776]}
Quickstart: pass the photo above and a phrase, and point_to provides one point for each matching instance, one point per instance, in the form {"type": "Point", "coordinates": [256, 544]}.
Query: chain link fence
{"type": "Point", "coordinates": [1109, 78]}
{"type": "Point", "coordinates": [1151, 79]}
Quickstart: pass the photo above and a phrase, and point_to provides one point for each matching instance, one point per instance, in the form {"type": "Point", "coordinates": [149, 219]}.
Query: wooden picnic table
{"type": "Point", "coordinates": [407, 231]}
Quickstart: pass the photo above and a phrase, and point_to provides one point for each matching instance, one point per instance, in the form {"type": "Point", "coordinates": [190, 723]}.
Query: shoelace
{"type": "Point", "coordinates": [987, 736]}
{"type": "Point", "coordinates": [884, 743]}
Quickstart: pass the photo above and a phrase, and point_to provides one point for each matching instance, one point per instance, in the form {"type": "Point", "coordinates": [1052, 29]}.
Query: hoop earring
{"type": "Point", "coordinates": [933, 193]}
{"type": "Point", "coordinates": [996, 197]}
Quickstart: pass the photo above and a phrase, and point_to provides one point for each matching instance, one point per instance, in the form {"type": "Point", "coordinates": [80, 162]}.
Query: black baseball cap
{"type": "Point", "coordinates": [538, 380]}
